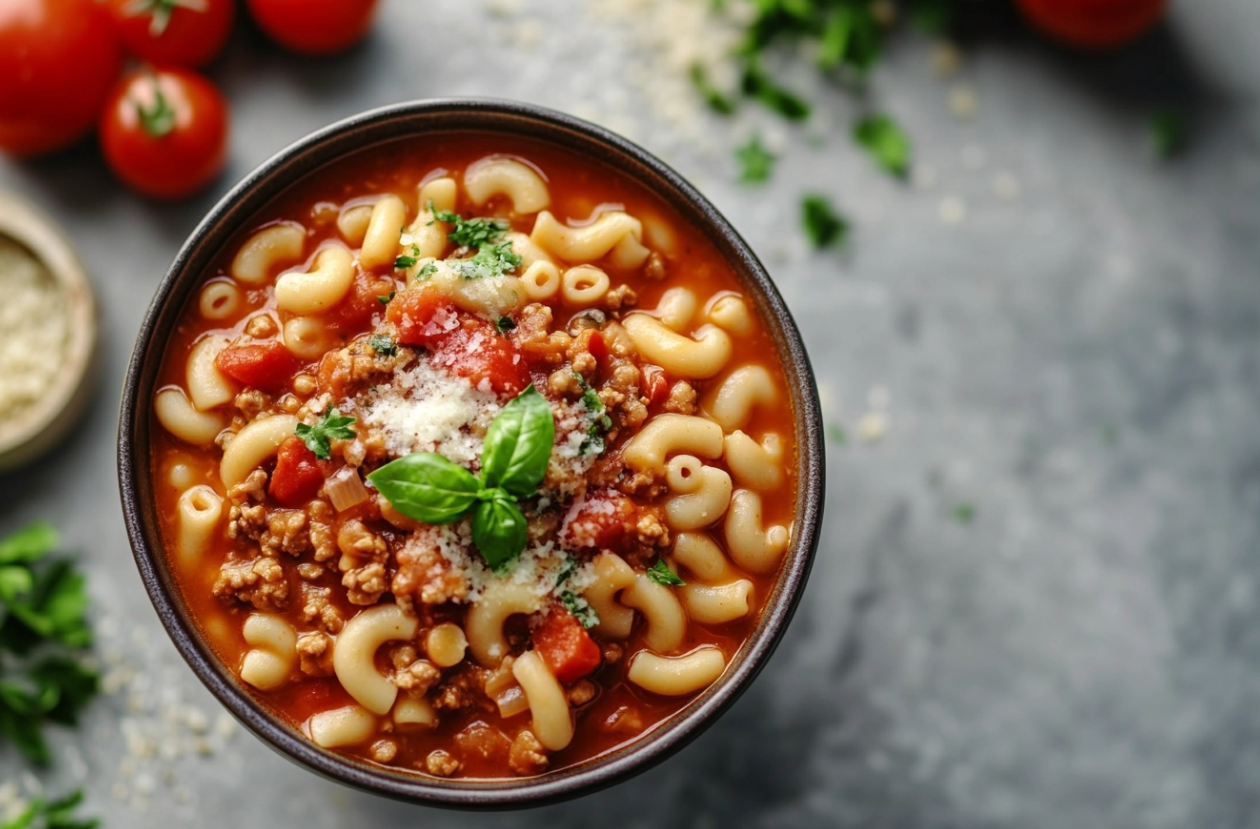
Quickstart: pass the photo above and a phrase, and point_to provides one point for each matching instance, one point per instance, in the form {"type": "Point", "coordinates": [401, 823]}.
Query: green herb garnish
{"type": "Point", "coordinates": [52, 814]}
{"type": "Point", "coordinates": [580, 608]}
{"type": "Point", "coordinates": [756, 162]}
{"type": "Point", "coordinates": [885, 141]}
{"type": "Point", "coordinates": [757, 84]}
{"type": "Point", "coordinates": [850, 36]}
{"type": "Point", "coordinates": [504, 324]}
{"type": "Point", "coordinates": [492, 260]}
{"type": "Point", "coordinates": [714, 97]}
{"type": "Point", "coordinates": [428, 270]}
{"type": "Point", "coordinates": [964, 513]}
{"type": "Point", "coordinates": [471, 233]}
{"type": "Point", "coordinates": [401, 262]}
{"type": "Point", "coordinates": [331, 426]}
{"type": "Point", "coordinates": [43, 626]}
{"type": "Point", "coordinates": [384, 299]}
{"type": "Point", "coordinates": [431, 489]}
{"type": "Point", "coordinates": [823, 225]}
{"type": "Point", "coordinates": [569, 568]}
{"type": "Point", "coordinates": [383, 345]}
{"type": "Point", "coordinates": [661, 574]}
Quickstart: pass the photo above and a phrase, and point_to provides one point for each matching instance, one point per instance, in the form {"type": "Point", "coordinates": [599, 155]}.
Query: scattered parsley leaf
{"type": "Point", "coordinates": [401, 262]}
{"type": "Point", "coordinates": [964, 513]}
{"type": "Point", "coordinates": [714, 97]}
{"type": "Point", "coordinates": [885, 141]}
{"type": "Point", "coordinates": [425, 272]}
{"type": "Point", "coordinates": [823, 225]}
{"type": "Point", "coordinates": [837, 435]}
{"type": "Point", "coordinates": [755, 160]}
{"type": "Point", "coordinates": [489, 261]}
{"type": "Point", "coordinates": [331, 426]}
{"type": "Point", "coordinates": [472, 233]}
{"type": "Point", "coordinates": [504, 324]}
{"type": "Point", "coordinates": [1168, 132]}
{"type": "Point", "coordinates": [52, 814]}
{"type": "Point", "coordinates": [580, 608]}
{"type": "Point", "coordinates": [383, 345]}
{"type": "Point", "coordinates": [850, 37]}
{"type": "Point", "coordinates": [757, 84]}
{"type": "Point", "coordinates": [569, 568]}
{"type": "Point", "coordinates": [385, 299]}
{"type": "Point", "coordinates": [661, 574]}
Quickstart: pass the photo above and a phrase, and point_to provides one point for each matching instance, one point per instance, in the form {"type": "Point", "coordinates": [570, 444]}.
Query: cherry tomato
{"type": "Point", "coordinates": [314, 27]}
{"type": "Point", "coordinates": [164, 132]}
{"type": "Point", "coordinates": [58, 60]}
{"type": "Point", "coordinates": [174, 32]}
{"type": "Point", "coordinates": [1093, 24]}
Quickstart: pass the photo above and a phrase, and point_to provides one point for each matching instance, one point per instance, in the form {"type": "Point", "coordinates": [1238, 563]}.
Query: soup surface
{"type": "Point", "coordinates": [474, 461]}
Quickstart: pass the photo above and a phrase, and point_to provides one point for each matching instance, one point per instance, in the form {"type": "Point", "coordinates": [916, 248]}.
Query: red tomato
{"type": "Point", "coordinates": [422, 316]}
{"type": "Point", "coordinates": [58, 60]}
{"type": "Point", "coordinates": [314, 27]}
{"type": "Point", "coordinates": [478, 351]}
{"type": "Point", "coordinates": [565, 646]}
{"type": "Point", "coordinates": [1093, 24]}
{"type": "Point", "coordinates": [655, 385]}
{"type": "Point", "coordinates": [266, 366]}
{"type": "Point", "coordinates": [604, 520]}
{"type": "Point", "coordinates": [164, 132]}
{"type": "Point", "coordinates": [297, 477]}
{"type": "Point", "coordinates": [174, 32]}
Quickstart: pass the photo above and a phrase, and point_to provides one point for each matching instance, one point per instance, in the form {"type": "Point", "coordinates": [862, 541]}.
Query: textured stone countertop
{"type": "Point", "coordinates": [1045, 326]}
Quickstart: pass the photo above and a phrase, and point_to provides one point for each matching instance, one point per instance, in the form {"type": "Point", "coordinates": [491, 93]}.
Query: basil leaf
{"type": "Point", "coordinates": [427, 487]}
{"type": "Point", "coordinates": [518, 445]}
{"type": "Point", "coordinates": [498, 530]}
{"type": "Point", "coordinates": [28, 544]}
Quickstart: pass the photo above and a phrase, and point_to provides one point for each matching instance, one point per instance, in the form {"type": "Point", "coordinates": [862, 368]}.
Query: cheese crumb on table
{"type": "Point", "coordinates": [34, 325]}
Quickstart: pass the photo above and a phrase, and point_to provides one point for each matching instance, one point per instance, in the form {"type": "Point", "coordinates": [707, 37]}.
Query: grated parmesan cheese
{"type": "Point", "coordinates": [34, 329]}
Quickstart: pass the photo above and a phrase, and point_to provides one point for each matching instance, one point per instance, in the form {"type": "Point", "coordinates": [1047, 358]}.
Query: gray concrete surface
{"type": "Point", "coordinates": [1079, 361]}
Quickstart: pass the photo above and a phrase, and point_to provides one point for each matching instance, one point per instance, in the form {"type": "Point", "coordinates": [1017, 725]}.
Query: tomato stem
{"type": "Point", "coordinates": [158, 119]}
{"type": "Point", "coordinates": [162, 11]}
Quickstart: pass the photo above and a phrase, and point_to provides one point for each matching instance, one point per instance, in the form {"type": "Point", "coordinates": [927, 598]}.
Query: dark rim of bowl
{"type": "Point", "coordinates": [361, 132]}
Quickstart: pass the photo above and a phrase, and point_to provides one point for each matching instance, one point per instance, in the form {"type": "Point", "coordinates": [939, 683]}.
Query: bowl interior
{"type": "Point", "coordinates": [239, 207]}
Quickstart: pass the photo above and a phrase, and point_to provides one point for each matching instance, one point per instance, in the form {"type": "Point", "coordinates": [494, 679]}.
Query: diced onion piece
{"type": "Point", "coordinates": [345, 489]}
{"type": "Point", "coordinates": [511, 701]}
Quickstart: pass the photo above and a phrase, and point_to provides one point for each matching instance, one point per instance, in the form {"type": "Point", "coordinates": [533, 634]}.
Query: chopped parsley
{"type": "Point", "coordinates": [51, 814]}
{"type": "Point", "coordinates": [601, 423]}
{"type": "Point", "coordinates": [384, 299]}
{"type": "Point", "coordinates": [331, 426]}
{"type": "Point", "coordinates": [757, 84]}
{"type": "Point", "coordinates": [504, 324]}
{"type": "Point", "coordinates": [580, 608]}
{"type": "Point", "coordinates": [407, 259]}
{"type": "Point", "coordinates": [661, 574]}
{"type": "Point", "coordinates": [964, 513]}
{"type": "Point", "coordinates": [885, 141]}
{"type": "Point", "coordinates": [428, 270]}
{"type": "Point", "coordinates": [823, 225]}
{"type": "Point", "coordinates": [472, 233]}
{"type": "Point", "coordinates": [491, 260]}
{"type": "Point", "coordinates": [850, 37]}
{"type": "Point", "coordinates": [756, 162]}
{"type": "Point", "coordinates": [383, 345]}
{"type": "Point", "coordinates": [569, 568]}
{"type": "Point", "coordinates": [718, 101]}
{"type": "Point", "coordinates": [43, 631]}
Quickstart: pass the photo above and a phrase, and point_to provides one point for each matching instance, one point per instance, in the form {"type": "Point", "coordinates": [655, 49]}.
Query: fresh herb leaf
{"type": "Point", "coordinates": [404, 261]}
{"type": "Point", "coordinates": [427, 487]}
{"type": "Point", "coordinates": [569, 568]}
{"type": "Point", "coordinates": [661, 574]}
{"type": "Point", "coordinates": [964, 513]}
{"type": "Point", "coordinates": [714, 97]}
{"type": "Point", "coordinates": [850, 37]}
{"type": "Point", "coordinates": [492, 260]}
{"type": "Point", "coordinates": [426, 271]}
{"type": "Point", "coordinates": [386, 299]}
{"type": "Point", "coordinates": [837, 435]}
{"type": "Point", "coordinates": [823, 225]}
{"type": "Point", "coordinates": [52, 814]}
{"type": "Point", "coordinates": [580, 608]}
{"type": "Point", "coordinates": [383, 345]}
{"type": "Point", "coordinates": [755, 160]}
{"type": "Point", "coordinates": [504, 324]}
{"type": "Point", "coordinates": [1168, 132]}
{"type": "Point", "coordinates": [498, 530]}
{"type": "Point", "coordinates": [518, 444]}
{"type": "Point", "coordinates": [29, 544]}
{"type": "Point", "coordinates": [473, 233]}
{"type": "Point", "coordinates": [331, 426]}
{"type": "Point", "coordinates": [885, 141]}
{"type": "Point", "coordinates": [757, 84]}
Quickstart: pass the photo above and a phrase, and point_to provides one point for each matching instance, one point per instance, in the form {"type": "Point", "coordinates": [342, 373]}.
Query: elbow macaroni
{"type": "Point", "coordinates": [355, 652]}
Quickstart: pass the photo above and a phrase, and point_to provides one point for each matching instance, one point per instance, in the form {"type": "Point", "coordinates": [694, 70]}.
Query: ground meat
{"type": "Point", "coordinates": [364, 585]}
{"type": "Point", "coordinates": [625, 720]}
{"type": "Point", "coordinates": [358, 366]}
{"type": "Point", "coordinates": [623, 296]}
{"type": "Point", "coordinates": [261, 327]}
{"type": "Point", "coordinates": [581, 693]}
{"type": "Point", "coordinates": [655, 267]}
{"type": "Point", "coordinates": [247, 517]}
{"type": "Point", "coordinates": [384, 751]}
{"type": "Point", "coordinates": [527, 756]}
{"type": "Point", "coordinates": [534, 337]}
{"type": "Point", "coordinates": [682, 399]}
{"type": "Point", "coordinates": [613, 653]}
{"type": "Point", "coordinates": [485, 740]}
{"type": "Point", "coordinates": [310, 572]}
{"type": "Point", "coordinates": [425, 575]}
{"type": "Point", "coordinates": [354, 539]}
{"type": "Point", "coordinates": [259, 582]}
{"type": "Point", "coordinates": [318, 609]}
{"type": "Point", "coordinates": [441, 764]}
{"type": "Point", "coordinates": [413, 675]}
{"type": "Point", "coordinates": [564, 383]}
{"type": "Point", "coordinates": [321, 515]}
{"type": "Point", "coordinates": [287, 531]}
{"type": "Point", "coordinates": [462, 691]}
{"type": "Point", "coordinates": [315, 653]}
{"type": "Point", "coordinates": [650, 529]}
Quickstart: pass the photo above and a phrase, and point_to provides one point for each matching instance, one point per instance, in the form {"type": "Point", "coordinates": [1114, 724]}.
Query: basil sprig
{"type": "Point", "coordinates": [431, 489]}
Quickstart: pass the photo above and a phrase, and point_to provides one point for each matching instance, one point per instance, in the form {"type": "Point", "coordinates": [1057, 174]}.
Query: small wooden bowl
{"type": "Point", "coordinates": [38, 427]}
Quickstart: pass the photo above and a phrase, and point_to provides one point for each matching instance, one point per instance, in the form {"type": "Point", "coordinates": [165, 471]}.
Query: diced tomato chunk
{"type": "Point", "coordinates": [565, 646]}
{"type": "Point", "coordinates": [422, 316]}
{"type": "Point", "coordinates": [655, 385]}
{"type": "Point", "coordinates": [479, 352]}
{"type": "Point", "coordinates": [598, 347]}
{"type": "Point", "coordinates": [604, 519]}
{"type": "Point", "coordinates": [266, 366]}
{"type": "Point", "coordinates": [297, 477]}
{"type": "Point", "coordinates": [355, 310]}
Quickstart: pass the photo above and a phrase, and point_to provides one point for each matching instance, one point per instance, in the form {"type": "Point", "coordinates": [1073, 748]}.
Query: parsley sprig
{"type": "Point", "coordinates": [52, 814]}
{"type": "Point", "coordinates": [661, 574]}
{"type": "Point", "coordinates": [332, 425]}
{"type": "Point", "coordinates": [43, 632]}
{"type": "Point", "coordinates": [431, 489]}
{"type": "Point", "coordinates": [580, 608]}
